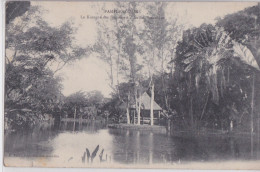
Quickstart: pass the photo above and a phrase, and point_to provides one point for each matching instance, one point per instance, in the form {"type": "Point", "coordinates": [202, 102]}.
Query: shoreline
{"type": "Point", "coordinates": [138, 127]}
{"type": "Point", "coordinates": [81, 120]}
{"type": "Point", "coordinates": [183, 133]}
{"type": "Point", "coordinates": [199, 165]}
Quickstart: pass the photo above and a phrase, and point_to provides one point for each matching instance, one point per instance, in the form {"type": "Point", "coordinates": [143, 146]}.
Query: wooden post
{"type": "Point", "coordinates": [168, 127]}
{"type": "Point", "coordinates": [139, 110]}
{"type": "Point", "coordinates": [75, 111]}
{"type": "Point", "coordinates": [127, 109]}
{"type": "Point", "coordinates": [134, 115]}
{"type": "Point", "coordinates": [159, 116]}
{"type": "Point", "coordinates": [231, 125]}
{"type": "Point", "coordinates": [152, 100]}
{"type": "Point", "coordinates": [136, 104]}
{"type": "Point", "coordinates": [127, 115]}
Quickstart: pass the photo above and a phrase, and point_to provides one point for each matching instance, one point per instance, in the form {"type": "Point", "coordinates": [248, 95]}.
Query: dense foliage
{"type": "Point", "coordinates": [83, 105]}
{"type": "Point", "coordinates": [215, 76]}
{"type": "Point", "coordinates": [32, 90]}
{"type": "Point", "coordinates": [212, 76]}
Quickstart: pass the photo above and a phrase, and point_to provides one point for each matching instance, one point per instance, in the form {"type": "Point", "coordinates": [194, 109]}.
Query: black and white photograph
{"type": "Point", "coordinates": [127, 84]}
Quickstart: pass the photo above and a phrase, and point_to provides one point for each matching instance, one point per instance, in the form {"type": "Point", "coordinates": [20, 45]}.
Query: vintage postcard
{"type": "Point", "coordinates": [132, 84]}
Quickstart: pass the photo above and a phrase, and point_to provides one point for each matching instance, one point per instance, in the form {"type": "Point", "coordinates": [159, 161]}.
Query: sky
{"type": "Point", "coordinates": [91, 73]}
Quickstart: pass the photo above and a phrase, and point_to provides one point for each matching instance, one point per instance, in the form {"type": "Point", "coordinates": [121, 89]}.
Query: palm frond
{"type": "Point", "coordinates": [189, 67]}
{"type": "Point", "coordinates": [190, 59]}
{"type": "Point", "coordinates": [245, 55]}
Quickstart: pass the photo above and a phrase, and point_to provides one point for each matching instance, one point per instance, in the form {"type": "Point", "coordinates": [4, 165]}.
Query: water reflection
{"type": "Point", "coordinates": [90, 127]}
{"type": "Point", "coordinates": [68, 141]}
{"type": "Point", "coordinates": [149, 148]}
{"type": "Point", "coordinates": [30, 143]}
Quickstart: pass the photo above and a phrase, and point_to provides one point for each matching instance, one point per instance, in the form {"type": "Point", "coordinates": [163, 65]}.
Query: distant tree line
{"type": "Point", "coordinates": [81, 105]}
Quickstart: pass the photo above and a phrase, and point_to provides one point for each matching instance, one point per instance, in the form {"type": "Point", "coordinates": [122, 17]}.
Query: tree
{"type": "Point", "coordinates": [117, 45]}
{"type": "Point", "coordinates": [209, 53]}
{"type": "Point", "coordinates": [15, 9]}
{"type": "Point", "coordinates": [246, 32]}
{"type": "Point", "coordinates": [95, 98]}
{"type": "Point", "coordinates": [243, 27]}
{"type": "Point", "coordinates": [74, 103]}
{"type": "Point", "coordinates": [30, 93]}
{"type": "Point", "coordinates": [31, 47]}
{"type": "Point", "coordinates": [160, 38]}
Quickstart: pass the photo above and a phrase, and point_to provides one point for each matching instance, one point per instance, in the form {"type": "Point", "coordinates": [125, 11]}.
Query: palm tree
{"type": "Point", "coordinates": [211, 54]}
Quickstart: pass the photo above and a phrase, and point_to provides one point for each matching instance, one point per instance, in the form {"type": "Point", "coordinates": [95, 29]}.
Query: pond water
{"type": "Point", "coordinates": [67, 142]}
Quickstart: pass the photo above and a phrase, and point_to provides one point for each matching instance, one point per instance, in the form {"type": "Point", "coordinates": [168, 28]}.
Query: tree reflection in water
{"type": "Point", "coordinates": [122, 146]}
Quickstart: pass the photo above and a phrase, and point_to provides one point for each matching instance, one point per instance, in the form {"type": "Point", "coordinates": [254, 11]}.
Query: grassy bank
{"type": "Point", "coordinates": [138, 127]}
{"type": "Point", "coordinates": [82, 120]}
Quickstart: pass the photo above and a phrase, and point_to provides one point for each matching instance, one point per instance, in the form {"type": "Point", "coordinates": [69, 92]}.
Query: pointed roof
{"type": "Point", "coordinates": [146, 103]}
